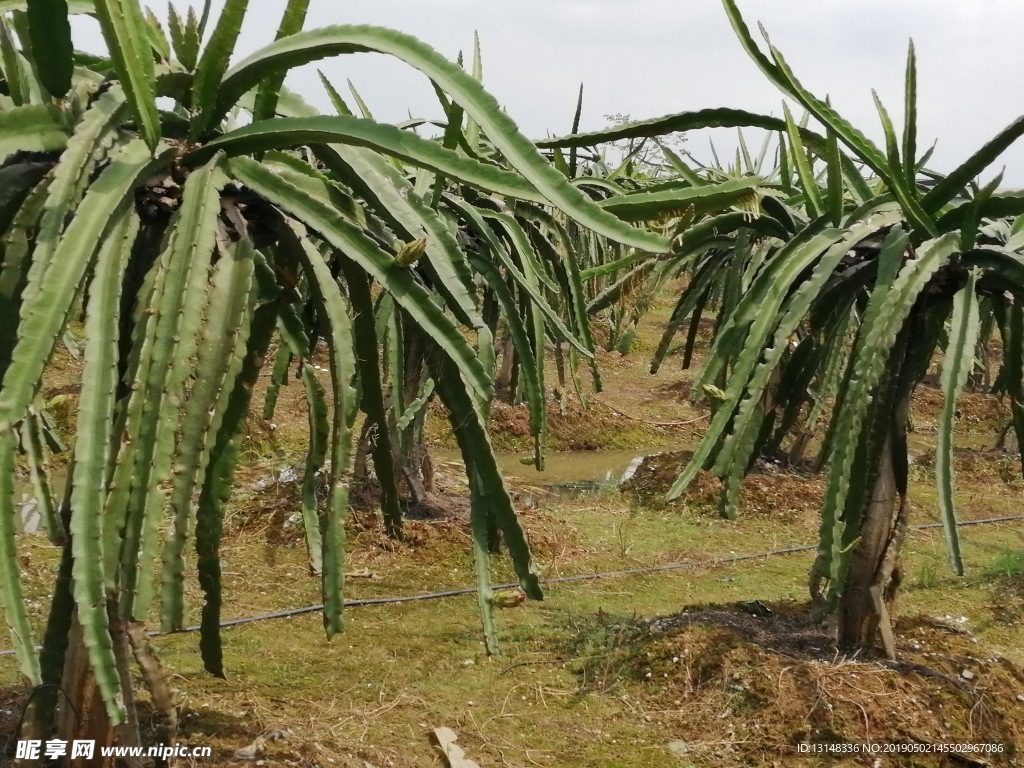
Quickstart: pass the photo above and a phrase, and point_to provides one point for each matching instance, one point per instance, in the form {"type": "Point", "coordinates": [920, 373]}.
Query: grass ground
{"type": "Point", "coordinates": [713, 664]}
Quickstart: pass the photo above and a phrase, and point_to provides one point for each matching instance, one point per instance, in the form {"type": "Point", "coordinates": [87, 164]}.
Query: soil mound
{"type": "Point", "coordinates": [767, 490]}
{"type": "Point", "coordinates": [749, 684]}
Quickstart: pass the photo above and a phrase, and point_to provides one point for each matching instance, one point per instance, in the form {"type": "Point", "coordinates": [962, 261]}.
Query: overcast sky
{"type": "Point", "coordinates": [647, 58]}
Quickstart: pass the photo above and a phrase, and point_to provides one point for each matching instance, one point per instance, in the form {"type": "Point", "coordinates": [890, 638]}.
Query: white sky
{"type": "Point", "coordinates": [647, 58]}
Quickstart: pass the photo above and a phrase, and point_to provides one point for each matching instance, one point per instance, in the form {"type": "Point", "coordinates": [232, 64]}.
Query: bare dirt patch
{"type": "Point", "coordinates": [975, 411]}
{"type": "Point", "coordinates": [575, 428]}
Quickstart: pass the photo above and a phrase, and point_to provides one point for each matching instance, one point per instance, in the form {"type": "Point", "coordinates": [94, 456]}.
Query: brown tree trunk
{"type": "Point", "coordinates": [503, 381]}
{"type": "Point", "coordinates": [860, 613]}
{"type": "Point", "coordinates": [364, 448]}
{"type": "Point", "coordinates": [82, 715]}
{"type": "Point", "coordinates": [872, 582]}
{"type": "Point", "coordinates": [411, 457]}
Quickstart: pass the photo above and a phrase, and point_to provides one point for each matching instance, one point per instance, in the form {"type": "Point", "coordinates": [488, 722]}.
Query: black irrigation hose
{"type": "Point", "coordinates": [558, 580]}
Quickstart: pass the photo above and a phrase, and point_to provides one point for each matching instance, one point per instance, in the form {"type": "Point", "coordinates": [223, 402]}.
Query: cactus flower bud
{"type": "Point", "coordinates": [713, 392]}
{"type": "Point", "coordinates": [508, 598]}
{"type": "Point", "coordinates": [410, 253]}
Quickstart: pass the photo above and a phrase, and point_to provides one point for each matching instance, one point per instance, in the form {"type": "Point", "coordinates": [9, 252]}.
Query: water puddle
{"type": "Point", "coordinates": [569, 473]}
{"type": "Point", "coordinates": [574, 472]}
{"type": "Point", "coordinates": [28, 517]}
{"type": "Point", "coordinates": [919, 443]}
{"type": "Point", "coordinates": [565, 473]}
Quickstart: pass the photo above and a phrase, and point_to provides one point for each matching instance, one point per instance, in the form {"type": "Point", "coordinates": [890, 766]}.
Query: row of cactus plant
{"type": "Point", "coordinates": [858, 265]}
{"type": "Point", "coordinates": [189, 244]}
